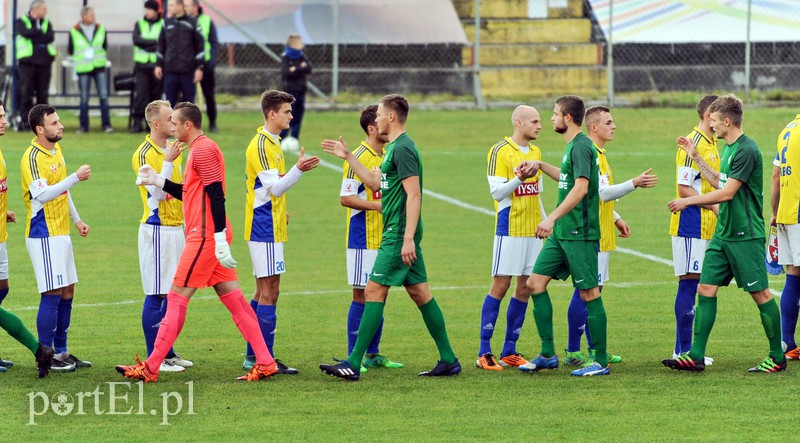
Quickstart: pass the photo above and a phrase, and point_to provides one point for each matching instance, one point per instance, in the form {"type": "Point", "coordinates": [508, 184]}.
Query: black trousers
{"type": "Point", "coordinates": [208, 85]}
{"type": "Point", "coordinates": [147, 89]}
{"type": "Point", "coordinates": [34, 81]}
{"type": "Point", "coordinates": [298, 110]}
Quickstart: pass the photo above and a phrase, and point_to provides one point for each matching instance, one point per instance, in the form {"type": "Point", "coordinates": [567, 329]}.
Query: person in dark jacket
{"type": "Point", "coordinates": [294, 69]}
{"type": "Point", "coordinates": [145, 43]}
{"type": "Point", "coordinates": [180, 54]}
{"type": "Point", "coordinates": [35, 54]}
{"type": "Point", "coordinates": [211, 47]}
{"type": "Point", "coordinates": [87, 46]}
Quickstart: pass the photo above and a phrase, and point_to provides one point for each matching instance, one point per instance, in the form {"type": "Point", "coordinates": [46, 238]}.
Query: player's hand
{"type": "Point", "coordinates": [287, 217]}
{"type": "Point", "coordinates": [198, 75]}
{"type": "Point", "coordinates": [148, 177]}
{"type": "Point", "coordinates": [409, 251]}
{"type": "Point", "coordinates": [84, 172]}
{"type": "Point", "coordinates": [223, 250]}
{"type": "Point", "coordinates": [527, 169]}
{"type": "Point", "coordinates": [174, 149]}
{"type": "Point", "coordinates": [158, 73]}
{"type": "Point", "coordinates": [687, 145]}
{"type": "Point", "coordinates": [623, 228]}
{"type": "Point", "coordinates": [11, 217]}
{"type": "Point", "coordinates": [773, 221]}
{"type": "Point", "coordinates": [545, 228]}
{"type": "Point", "coordinates": [336, 147]}
{"type": "Point", "coordinates": [83, 228]}
{"type": "Point", "coordinates": [645, 179]}
{"type": "Point", "coordinates": [677, 205]}
{"type": "Point", "coordinates": [306, 163]}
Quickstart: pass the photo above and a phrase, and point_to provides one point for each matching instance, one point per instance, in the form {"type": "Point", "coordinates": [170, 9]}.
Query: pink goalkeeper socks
{"type": "Point", "coordinates": [245, 319]}
{"type": "Point", "coordinates": [168, 332]}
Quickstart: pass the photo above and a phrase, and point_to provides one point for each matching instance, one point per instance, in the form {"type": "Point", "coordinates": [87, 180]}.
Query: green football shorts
{"type": "Point", "coordinates": [389, 269]}
{"type": "Point", "coordinates": [743, 260]}
{"type": "Point", "coordinates": [561, 258]}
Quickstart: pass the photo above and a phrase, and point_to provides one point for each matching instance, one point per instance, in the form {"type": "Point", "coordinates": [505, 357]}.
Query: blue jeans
{"type": "Point", "coordinates": [177, 85]}
{"type": "Point", "coordinates": [100, 77]}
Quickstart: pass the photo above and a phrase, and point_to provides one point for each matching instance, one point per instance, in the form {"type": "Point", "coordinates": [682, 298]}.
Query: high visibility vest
{"type": "Point", "coordinates": [88, 56]}
{"type": "Point", "coordinates": [149, 32]}
{"type": "Point", "coordinates": [205, 27]}
{"type": "Point", "coordinates": [25, 45]}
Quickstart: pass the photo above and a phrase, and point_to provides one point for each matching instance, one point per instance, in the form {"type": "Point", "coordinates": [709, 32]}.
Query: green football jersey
{"type": "Point", "coordinates": [582, 222]}
{"type": "Point", "coordinates": [400, 162]}
{"type": "Point", "coordinates": [742, 218]}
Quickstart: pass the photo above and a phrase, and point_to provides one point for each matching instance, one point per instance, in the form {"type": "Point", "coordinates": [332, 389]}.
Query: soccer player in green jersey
{"type": "Point", "coordinates": [737, 247]}
{"type": "Point", "coordinates": [574, 231]}
{"type": "Point", "coordinates": [399, 261]}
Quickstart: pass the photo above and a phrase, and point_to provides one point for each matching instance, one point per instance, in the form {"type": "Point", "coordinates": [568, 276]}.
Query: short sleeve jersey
{"type": "Point", "coordinates": [742, 218]}
{"type": "Point", "coordinates": [608, 238]}
{"type": "Point", "coordinates": [204, 166]}
{"type": "Point", "coordinates": [41, 168]}
{"type": "Point", "coordinates": [168, 212]}
{"type": "Point", "coordinates": [364, 228]}
{"type": "Point", "coordinates": [694, 221]}
{"type": "Point", "coordinates": [518, 214]}
{"type": "Point", "coordinates": [264, 216]}
{"type": "Point", "coordinates": [579, 160]}
{"type": "Point", "coordinates": [788, 160]}
{"type": "Point", "coordinates": [3, 199]}
{"type": "Point", "coordinates": [400, 161]}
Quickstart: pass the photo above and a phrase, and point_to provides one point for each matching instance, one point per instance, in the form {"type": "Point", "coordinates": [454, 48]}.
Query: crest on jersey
{"type": "Point", "coordinates": [53, 168]}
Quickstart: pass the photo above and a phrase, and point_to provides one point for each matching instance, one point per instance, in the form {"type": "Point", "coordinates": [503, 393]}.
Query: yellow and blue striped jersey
{"type": "Point", "coordinates": [3, 199]}
{"type": "Point", "coordinates": [42, 168]}
{"type": "Point", "coordinates": [364, 228]}
{"type": "Point", "coordinates": [168, 212]}
{"type": "Point", "coordinates": [788, 160]}
{"type": "Point", "coordinates": [608, 237]}
{"type": "Point", "coordinates": [694, 221]}
{"type": "Point", "coordinates": [265, 214]}
{"type": "Point", "coordinates": [518, 214]}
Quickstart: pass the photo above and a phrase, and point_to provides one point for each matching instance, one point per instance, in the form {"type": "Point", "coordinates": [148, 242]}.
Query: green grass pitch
{"type": "Point", "coordinates": [641, 400]}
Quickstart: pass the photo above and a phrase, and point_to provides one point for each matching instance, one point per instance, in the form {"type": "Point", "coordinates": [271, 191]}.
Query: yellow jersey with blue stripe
{"type": "Point", "coordinates": [608, 237]}
{"type": "Point", "coordinates": [518, 214]}
{"type": "Point", "coordinates": [3, 199]}
{"type": "Point", "coordinates": [694, 221]}
{"type": "Point", "coordinates": [41, 167]}
{"type": "Point", "coordinates": [788, 160]}
{"type": "Point", "coordinates": [265, 214]}
{"type": "Point", "coordinates": [364, 228]}
{"type": "Point", "coordinates": [168, 212]}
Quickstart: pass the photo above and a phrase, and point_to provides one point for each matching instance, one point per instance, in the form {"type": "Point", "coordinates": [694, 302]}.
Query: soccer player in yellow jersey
{"type": "Point", "coordinates": [600, 127]}
{"type": "Point", "coordinates": [161, 237]}
{"type": "Point", "coordinates": [364, 232]}
{"type": "Point", "coordinates": [518, 211]}
{"type": "Point", "coordinates": [8, 321]}
{"type": "Point", "coordinates": [785, 212]}
{"type": "Point", "coordinates": [692, 228]}
{"type": "Point", "coordinates": [266, 219]}
{"type": "Point", "coordinates": [45, 190]}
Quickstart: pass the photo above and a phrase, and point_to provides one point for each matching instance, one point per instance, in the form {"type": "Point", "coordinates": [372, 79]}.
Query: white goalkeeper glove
{"type": "Point", "coordinates": [223, 250]}
{"type": "Point", "coordinates": [149, 177]}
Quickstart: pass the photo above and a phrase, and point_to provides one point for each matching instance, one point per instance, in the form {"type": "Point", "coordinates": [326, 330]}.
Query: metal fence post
{"type": "Point", "coordinates": [610, 55]}
{"type": "Point", "coordinates": [476, 57]}
{"type": "Point", "coordinates": [747, 51]}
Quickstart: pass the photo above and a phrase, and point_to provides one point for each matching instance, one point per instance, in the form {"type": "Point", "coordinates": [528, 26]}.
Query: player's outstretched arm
{"type": "Point", "coordinates": [710, 174]}
{"type": "Point", "coordinates": [719, 196]}
{"type": "Point", "coordinates": [643, 180]}
{"type": "Point", "coordinates": [42, 192]}
{"type": "Point", "coordinates": [339, 148]}
{"type": "Point", "coordinates": [277, 185]}
{"type": "Point", "coordinates": [148, 177]}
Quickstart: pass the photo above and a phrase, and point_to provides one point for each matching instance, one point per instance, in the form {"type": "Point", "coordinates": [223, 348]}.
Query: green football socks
{"type": "Point", "coordinates": [597, 323]}
{"type": "Point", "coordinates": [771, 319]}
{"type": "Point", "coordinates": [15, 328]}
{"type": "Point", "coordinates": [704, 316]}
{"type": "Point", "coordinates": [370, 321]}
{"type": "Point", "coordinates": [434, 320]}
{"type": "Point", "coordinates": [543, 315]}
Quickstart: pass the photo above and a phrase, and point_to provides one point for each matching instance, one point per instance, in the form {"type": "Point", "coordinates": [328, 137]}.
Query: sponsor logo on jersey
{"type": "Point", "coordinates": [384, 181]}
{"type": "Point", "coordinates": [527, 189]}
{"type": "Point", "coordinates": [4, 185]}
{"type": "Point", "coordinates": [376, 195]}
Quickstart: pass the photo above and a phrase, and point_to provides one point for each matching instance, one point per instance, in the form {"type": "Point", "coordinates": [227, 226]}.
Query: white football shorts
{"type": "Point", "coordinates": [789, 244]}
{"type": "Point", "coordinates": [3, 261]}
{"type": "Point", "coordinates": [603, 259]}
{"type": "Point", "coordinates": [53, 262]}
{"type": "Point", "coordinates": [687, 255]}
{"type": "Point", "coordinates": [160, 250]}
{"type": "Point", "coordinates": [359, 266]}
{"type": "Point", "coordinates": [267, 258]}
{"type": "Point", "coordinates": [514, 256]}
